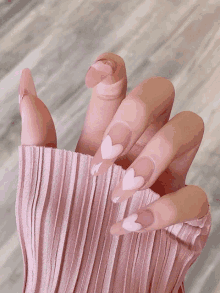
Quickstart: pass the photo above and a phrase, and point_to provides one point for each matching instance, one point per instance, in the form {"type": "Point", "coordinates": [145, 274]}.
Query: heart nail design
{"type": "Point", "coordinates": [129, 223]}
{"type": "Point", "coordinates": [109, 151]}
{"type": "Point", "coordinates": [130, 182]}
{"type": "Point", "coordinates": [115, 199]}
{"type": "Point", "coordinates": [95, 168]}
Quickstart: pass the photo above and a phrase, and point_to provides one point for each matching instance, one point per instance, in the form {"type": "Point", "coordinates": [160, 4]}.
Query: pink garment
{"type": "Point", "coordinates": [64, 216]}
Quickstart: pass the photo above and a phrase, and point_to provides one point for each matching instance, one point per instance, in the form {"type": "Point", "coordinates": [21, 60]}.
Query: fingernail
{"type": "Point", "coordinates": [136, 222]}
{"type": "Point", "coordinates": [20, 98]}
{"type": "Point", "coordinates": [111, 148]}
{"type": "Point", "coordinates": [136, 177]}
{"type": "Point", "coordinates": [140, 173]}
{"type": "Point", "coordinates": [26, 86]}
{"type": "Point", "coordinates": [27, 83]}
{"type": "Point", "coordinates": [99, 71]}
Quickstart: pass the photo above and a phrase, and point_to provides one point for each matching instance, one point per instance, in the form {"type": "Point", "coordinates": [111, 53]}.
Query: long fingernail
{"type": "Point", "coordinates": [26, 85]}
{"type": "Point", "coordinates": [134, 222]}
{"type": "Point", "coordinates": [111, 148]}
{"type": "Point", "coordinates": [136, 177]}
{"type": "Point", "coordinates": [20, 97]}
{"type": "Point", "coordinates": [99, 71]}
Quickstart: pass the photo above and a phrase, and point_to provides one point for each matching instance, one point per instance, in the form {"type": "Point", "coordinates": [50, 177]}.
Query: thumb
{"type": "Point", "coordinates": [37, 124]}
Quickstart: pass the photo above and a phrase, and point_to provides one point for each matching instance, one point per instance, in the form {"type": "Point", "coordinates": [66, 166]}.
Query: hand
{"type": "Point", "coordinates": [135, 133]}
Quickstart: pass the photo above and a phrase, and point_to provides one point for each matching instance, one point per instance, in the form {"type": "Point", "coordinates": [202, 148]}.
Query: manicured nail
{"type": "Point", "coordinates": [26, 86]}
{"type": "Point", "coordinates": [111, 148]}
{"type": "Point", "coordinates": [136, 177]}
{"type": "Point", "coordinates": [95, 168]}
{"type": "Point", "coordinates": [27, 83]}
{"type": "Point", "coordinates": [116, 199]}
{"type": "Point", "coordinates": [99, 71]}
{"type": "Point", "coordinates": [134, 222]}
{"type": "Point", "coordinates": [19, 98]}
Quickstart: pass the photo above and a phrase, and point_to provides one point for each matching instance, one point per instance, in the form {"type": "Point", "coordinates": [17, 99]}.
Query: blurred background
{"type": "Point", "coordinates": [59, 40]}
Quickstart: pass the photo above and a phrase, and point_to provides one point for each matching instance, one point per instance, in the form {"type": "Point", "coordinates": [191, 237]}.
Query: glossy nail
{"type": "Point", "coordinates": [98, 71]}
{"type": "Point", "coordinates": [136, 177]}
{"type": "Point", "coordinates": [111, 148]}
{"type": "Point", "coordinates": [134, 222]}
{"type": "Point", "coordinates": [26, 86]}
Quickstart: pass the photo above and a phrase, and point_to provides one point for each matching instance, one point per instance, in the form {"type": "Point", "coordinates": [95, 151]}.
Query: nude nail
{"type": "Point", "coordinates": [26, 87]}
{"type": "Point", "coordinates": [27, 83]}
{"type": "Point", "coordinates": [99, 71]}
{"type": "Point", "coordinates": [116, 141]}
{"type": "Point", "coordinates": [138, 174]}
{"type": "Point", "coordinates": [111, 148]}
{"type": "Point", "coordinates": [136, 222]}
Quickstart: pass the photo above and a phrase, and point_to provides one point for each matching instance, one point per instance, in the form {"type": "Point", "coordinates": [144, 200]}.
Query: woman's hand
{"type": "Point", "coordinates": [132, 131]}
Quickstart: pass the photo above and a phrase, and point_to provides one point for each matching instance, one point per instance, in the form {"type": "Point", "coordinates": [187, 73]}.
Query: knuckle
{"type": "Point", "coordinates": [193, 115]}
{"type": "Point", "coordinates": [163, 80]}
{"type": "Point", "coordinates": [200, 192]}
{"type": "Point", "coordinates": [200, 199]}
{"type": "Point", "coordinates": [194, 119]}
{"type": "Point", "coordinates": [161, 86]}
{"type": "Point", "coordinates": [168, 82]}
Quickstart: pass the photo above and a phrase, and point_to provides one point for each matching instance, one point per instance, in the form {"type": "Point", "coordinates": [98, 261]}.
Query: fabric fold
{"type": "Point", "coordinates": [64, 216]}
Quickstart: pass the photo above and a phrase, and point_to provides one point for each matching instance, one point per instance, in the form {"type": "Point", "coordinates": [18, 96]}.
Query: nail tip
{"type": "Point", "coordinates": [27, 86]}
{"type": "Point", "coordinates": [92, 172]}
{"type": "Point", "coordinates": [95, 74]}
{"type": "Point", "coordinates": [115, 199]}
{"type": "Point", "coordinates": [26, 71]}
{"type": "Point", "coordinates": [114, 230]}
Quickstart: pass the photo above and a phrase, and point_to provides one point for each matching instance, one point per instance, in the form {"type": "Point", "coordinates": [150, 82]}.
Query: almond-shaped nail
{"type": "Point", "coordinates": [137, 176]}
{"type": "Point", "coordinates": [26, 86]}
{"type": "Point", "coordinates": [27, 83]}
{"type": "Point", "coordinates": [99, 71]}
{"type": "Point", "coordinates": [135, 222]}
{"type": "Point", "coordinates": [111, 148]}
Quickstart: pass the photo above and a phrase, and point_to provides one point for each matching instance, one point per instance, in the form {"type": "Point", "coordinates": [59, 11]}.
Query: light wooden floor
{"type": "Point", "coordinates": [59, 40]}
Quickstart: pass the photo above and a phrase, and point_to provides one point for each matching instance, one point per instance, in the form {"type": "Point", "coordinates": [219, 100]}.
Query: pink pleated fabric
{"type": "Point", "coordinates": [64, 216]}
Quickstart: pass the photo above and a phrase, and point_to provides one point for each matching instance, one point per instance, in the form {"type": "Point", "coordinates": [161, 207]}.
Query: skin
{"type": "Point", "coordinates": [172, 144]}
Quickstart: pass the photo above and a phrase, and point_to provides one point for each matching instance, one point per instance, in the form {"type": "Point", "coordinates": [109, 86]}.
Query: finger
{"type": "Point", "coordinates": [188, 203]}
{"type": "Point", "coordinates": [139, 110]}
{"type": "Point", "coordinates": [174, 177]}
{"type": "Point", "coordinates": [37, 124]}
{"type": "Point", "coordinates": [176, 138]}
{"type": "Point", "coordinates": [110, 86]}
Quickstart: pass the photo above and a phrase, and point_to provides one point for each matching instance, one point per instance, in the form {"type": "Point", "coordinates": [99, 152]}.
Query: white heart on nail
{"type": "Point", "coordinates": [130, 182]}
{"type": "Point", "coordinates": [129, 223]}
{"type": "Point", "coordinates": [95, 168]}
{"type": "Point", "coordinates": [109, 151]}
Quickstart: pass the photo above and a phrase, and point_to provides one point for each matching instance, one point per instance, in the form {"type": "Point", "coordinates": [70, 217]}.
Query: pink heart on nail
{"type": "Point", "coordinates": [129, 223]}
{"type": "Point", "coordinates": [109, 151]}
{"type": "Point", "coordinates": [130, 182]}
